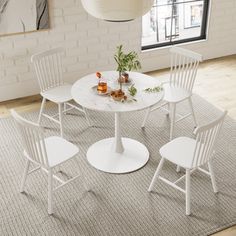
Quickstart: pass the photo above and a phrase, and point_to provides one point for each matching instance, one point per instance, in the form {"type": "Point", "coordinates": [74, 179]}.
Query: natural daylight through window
{"type": "Point", "coordinates": [174, 21]}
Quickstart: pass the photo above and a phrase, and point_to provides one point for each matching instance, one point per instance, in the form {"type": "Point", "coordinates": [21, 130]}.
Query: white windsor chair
{"type": "Point", "coordinates": [184, 65]}
{"type": "Point", "coordinates": [46, 153]}
{"type": "Point", "coordinates": [48, 67]}
{"type": "Point", "coordinates": [191, 154]}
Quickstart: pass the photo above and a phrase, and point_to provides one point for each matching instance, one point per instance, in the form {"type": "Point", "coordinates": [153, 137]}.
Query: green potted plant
{"type": "Point", "coordinates": [125, 62]}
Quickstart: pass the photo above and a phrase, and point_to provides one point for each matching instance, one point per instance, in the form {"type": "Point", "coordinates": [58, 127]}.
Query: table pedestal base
{"type": "Point", "coordinates": [101, 155]}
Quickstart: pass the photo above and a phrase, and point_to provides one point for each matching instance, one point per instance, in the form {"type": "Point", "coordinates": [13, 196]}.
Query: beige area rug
{"type": "Point", "coordinates": [118, 204]}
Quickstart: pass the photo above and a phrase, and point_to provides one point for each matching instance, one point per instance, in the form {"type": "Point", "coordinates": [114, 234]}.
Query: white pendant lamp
{"type": "Point", "coordinates": [117, 10]}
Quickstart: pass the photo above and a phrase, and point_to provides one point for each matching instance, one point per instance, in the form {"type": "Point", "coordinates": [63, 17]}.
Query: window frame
{"type": "Point", "coordinates": [203, 36]}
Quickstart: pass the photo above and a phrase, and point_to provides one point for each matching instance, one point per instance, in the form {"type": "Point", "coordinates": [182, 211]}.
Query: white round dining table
{"type": "Point", "coordinates": [117, 154]}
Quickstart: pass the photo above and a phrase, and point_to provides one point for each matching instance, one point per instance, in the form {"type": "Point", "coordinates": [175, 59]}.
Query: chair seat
{"type": "Point", "coordinates": [58, 150]}
{"type": "Point", "coordinates": [58, 94]}
{"type": "Point", "coordinates": [175, 94]}
{"type": "Point", "coordinates": [179, 151]}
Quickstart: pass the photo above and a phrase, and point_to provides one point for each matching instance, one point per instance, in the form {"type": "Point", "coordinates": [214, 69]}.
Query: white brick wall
{"type": "Point", "coordinates": [90, 45]}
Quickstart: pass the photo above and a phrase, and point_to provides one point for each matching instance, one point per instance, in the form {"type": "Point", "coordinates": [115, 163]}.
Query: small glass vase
{"type": "Point", "coordinates": [102, 85]}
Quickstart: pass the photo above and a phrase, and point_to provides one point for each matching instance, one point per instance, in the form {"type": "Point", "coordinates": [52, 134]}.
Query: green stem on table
{"type": "Point", "coordinates": [120, 80]}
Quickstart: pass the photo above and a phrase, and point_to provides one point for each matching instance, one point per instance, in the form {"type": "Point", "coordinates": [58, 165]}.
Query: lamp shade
{"type": "Point", "coordinates": [117, 10]}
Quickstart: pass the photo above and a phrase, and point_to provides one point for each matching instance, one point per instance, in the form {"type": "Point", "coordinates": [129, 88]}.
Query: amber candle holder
{"type": "Point", "coordinates": [102, 87]}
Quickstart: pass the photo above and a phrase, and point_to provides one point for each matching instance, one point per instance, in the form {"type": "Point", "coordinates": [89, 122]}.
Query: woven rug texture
{"type": "Point", "coordinates": [118, 204]}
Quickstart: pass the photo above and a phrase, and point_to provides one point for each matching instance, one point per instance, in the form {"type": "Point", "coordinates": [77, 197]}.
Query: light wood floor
{"type": "Point", "coordinates": [216, 82]}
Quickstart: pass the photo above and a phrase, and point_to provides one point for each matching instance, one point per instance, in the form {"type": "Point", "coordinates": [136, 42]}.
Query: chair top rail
{"type": "Point", "coordinates": [49, 52]}
{"type": "Point", "coordinates": [210, 125]}
{"type": "Point", "coordinates": [23, 121]}
{"type": "Point", "coordinates": [187, 53]}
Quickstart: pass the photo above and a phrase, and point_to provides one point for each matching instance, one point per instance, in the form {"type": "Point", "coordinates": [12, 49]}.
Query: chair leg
{"type": "Point", "coordinates": [41, 110]}
{"type": "Point", "coordinates": [178, 169]}
{"type": "Point", "coordinates": [157, 173]}
{"type": "Point", "coordinates": [83, 176]}
{"type": "Point", "coordinates": [60, 118]}
{"type": "Point", "coordinates": [85, 185]}
{"type": "Point", "coordinates": [65, 108]}
{"type": "Point", "coordinates": [213, 180]}
{"type": "Point", "coordinates": [24, 176]}
{"type": "Point", "coordinates": [50, 192]}
{"type": "Point", "coordinates": [86, 116]}
{"type": "Point", "coordinates": [168, 114]}
{"type": "Point", "coordinates": [187, 194]}
{"type": "Point", "coordinates": [192, 111]}
{"type": "Point", "coordinates": [146, 117]}
{"type": "Point", "coordinates": [172, 120]}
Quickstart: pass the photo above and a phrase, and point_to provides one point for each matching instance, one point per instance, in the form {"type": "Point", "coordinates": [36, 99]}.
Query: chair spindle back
{"type": "Point", "coordinates": [206, 137]}
{"type": "Point", "coordinates": [184, 66]}
{"type": "Point", "coordinates": [33, 139]}
{"type": "Point", "coordinates": [48, 67]}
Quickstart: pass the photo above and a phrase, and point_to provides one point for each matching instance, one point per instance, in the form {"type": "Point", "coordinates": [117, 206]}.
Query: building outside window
{"type": "Point", "coordinates": [174, 21]}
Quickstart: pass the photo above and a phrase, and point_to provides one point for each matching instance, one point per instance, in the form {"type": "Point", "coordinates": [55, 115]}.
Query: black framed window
{"type": "Point", "coordinates": [172, 22]}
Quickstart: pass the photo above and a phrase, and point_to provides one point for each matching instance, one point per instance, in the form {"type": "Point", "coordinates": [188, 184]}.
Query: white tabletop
{"type": "Point", "coordinates": [84, 95]}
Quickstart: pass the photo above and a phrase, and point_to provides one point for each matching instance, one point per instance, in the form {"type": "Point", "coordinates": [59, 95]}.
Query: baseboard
{"type": "Point", "coordinates": [23, 89]}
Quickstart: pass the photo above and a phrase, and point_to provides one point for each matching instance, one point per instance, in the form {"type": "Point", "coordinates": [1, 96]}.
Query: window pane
{"type": "Point", "coordinates": [172, 20]}
{"type": "Point", "coordinates": [157, 25]}
{"type": "Point", "coordinates": [162, 2]}
{"type": "Point", "coordinates": [190, 19]}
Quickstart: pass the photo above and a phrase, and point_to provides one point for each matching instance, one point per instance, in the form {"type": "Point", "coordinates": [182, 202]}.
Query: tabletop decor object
{"type": "Point", "coordinates": [118, 95]}
{"type": "Point", "coordinates": [102, 84]}
{"type": "Point", "coordinates": [132, 90]}
{"type": "Point", "coordinates": [125, 62]}
{"type": "Point", "coordinates": [156, 89]}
